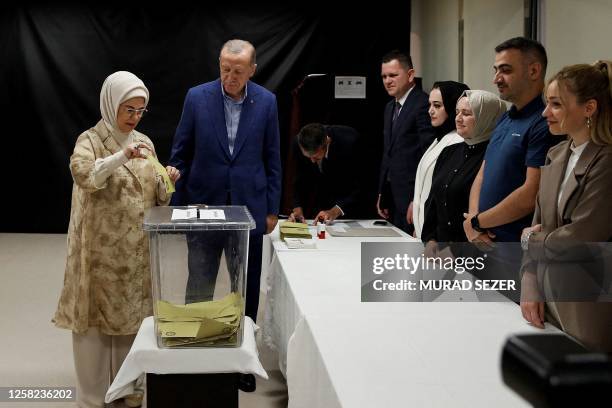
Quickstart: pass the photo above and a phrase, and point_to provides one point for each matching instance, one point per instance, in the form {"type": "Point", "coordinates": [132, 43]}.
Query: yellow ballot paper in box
{"type": "Point", "coordinates": [206, 331]}
{"type": "Point", "coordinates": [179, 329]}
{"type": "Point", "coordinates": [229, 305]}
{"type": "Point", "coordinates": [161, 170]}
{"type": "Point", "coordinates": [200, 329]}
{"type": "Point", "coordinates": [200, 322]}
{"type": "Point", "coordinates": [290, 229]}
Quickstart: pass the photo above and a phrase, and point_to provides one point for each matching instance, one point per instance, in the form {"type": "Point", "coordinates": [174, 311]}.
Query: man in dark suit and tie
{"type": "Point", "coordinates": [407, 135]}
{"type": "Point", "coordinates": [326, 181]}
{"type": "Point", "coordinates": [227, 149]}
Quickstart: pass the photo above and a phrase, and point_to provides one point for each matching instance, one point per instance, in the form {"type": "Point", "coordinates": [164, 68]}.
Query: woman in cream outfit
{"type": "Point", "coordinates": [442, 101]}
{"type": "Point", "coordinates": [107, 289]}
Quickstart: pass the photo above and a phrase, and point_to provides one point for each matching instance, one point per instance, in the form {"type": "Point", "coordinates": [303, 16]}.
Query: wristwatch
{"type": "Point", "coordinates": [476, 224]}
{"type": "Point", "coordinates": [525, 240]}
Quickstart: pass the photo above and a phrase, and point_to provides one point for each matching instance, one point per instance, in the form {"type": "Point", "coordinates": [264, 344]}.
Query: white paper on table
{"type": "Point", "coordinates": [189, 214]}
{"type": "Point", "coordinates": [342, 225]}
{"type": "Point", "coordinates": [212, 214]}
{"type": "Point", "coordinates": [336, 228]}
{"type": "Point", "coordinates": [300, 243]}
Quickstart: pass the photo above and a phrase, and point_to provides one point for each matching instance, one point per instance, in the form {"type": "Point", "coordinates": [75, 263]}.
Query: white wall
{"type": "Point", "coordinates": [576, 31]}
{"type": "Point", "coordinates": [438, 40]}
{"type": "Point", "coordinates": [487, 23]}
{"type": "Point", "coordinates": [573, 31]}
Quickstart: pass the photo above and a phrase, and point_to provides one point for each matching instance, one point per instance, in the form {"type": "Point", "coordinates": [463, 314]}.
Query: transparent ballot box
{"type": "Point", "coordinates": [199, 261]}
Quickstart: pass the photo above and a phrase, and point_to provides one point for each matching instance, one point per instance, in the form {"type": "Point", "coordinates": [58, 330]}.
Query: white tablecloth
{"type": "Point", "coordinates": [297, 279]}
{"type": "Point", "coordinates": [146, 357]}
{"type": "Point", "coordinates": [432, 355]}
{"type": "Point", "coordinates": [339, 352]}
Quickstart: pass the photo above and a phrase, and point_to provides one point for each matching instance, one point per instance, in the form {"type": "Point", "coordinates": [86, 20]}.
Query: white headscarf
{"type": "Point", "coordinates": [487, 109]}
{"type": "Point", "coordinates": [116, 89]}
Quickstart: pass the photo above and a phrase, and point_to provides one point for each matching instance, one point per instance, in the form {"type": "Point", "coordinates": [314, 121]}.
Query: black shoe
{"type": "Point", "coordinates": [246, 382]}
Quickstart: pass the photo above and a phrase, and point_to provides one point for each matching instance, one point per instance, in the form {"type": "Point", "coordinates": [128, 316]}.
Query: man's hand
{"type": "Point", "coordinates": [409, 216]}
{"type": "Point", "coordinates": [173, 174]}
{"type": "Point", "coordinates": [327, 216]}
{"type": "Point", "coordinates": [271, 221]}
{"type": "Point", "coordinates": [470, 233]}
{"type": "Point", "coordinates": [482, 240]}
{"type": "Point", "coordinates": [297, 215]}
{"type": "Point", "coordinates": [383, 212]}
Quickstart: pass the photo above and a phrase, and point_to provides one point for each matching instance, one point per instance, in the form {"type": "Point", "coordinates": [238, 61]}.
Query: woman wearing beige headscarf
{"type": "Point", "coordinates": [107, 289]}
{"type": "Point", "coordinates": [457, 166]}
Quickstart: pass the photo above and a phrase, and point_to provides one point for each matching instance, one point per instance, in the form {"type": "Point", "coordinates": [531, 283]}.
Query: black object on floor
{"type": "Point", "coordinates": [553, 370]}
{"type": "Point", "coordinates": [192, 390]}
{"type": "Point", "coordinates": [246, 382]}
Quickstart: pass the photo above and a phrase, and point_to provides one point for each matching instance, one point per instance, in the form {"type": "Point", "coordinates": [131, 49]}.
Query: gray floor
{"type": "Point", "coordinates": [33, 353]}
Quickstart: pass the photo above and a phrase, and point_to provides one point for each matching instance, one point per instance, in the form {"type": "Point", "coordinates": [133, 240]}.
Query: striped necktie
{"type": "Point", "coordinates": [396, 110]}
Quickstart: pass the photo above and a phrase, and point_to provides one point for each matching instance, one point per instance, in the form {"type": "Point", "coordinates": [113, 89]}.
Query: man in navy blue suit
{"type": "Point", "coordinates": [226, 148]}
{"type": "Point", "coordinates": [407, 135]}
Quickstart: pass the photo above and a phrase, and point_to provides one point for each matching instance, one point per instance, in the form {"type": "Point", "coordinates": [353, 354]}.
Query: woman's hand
{"type": "Point", "coordinates": [533, 312]}
{"type": "Point", "coordinates": [431, 249]}
{"type": "Point", "coordinates": [409, 214]}
{"type": "Point", "coordinates": [535, 228]}
{"type": "Point", "coordinates": [173, 173]}
{"type": "Point", "coordinates": [532, 306]}
{"type": "Point", "coordinates": [133, 151]}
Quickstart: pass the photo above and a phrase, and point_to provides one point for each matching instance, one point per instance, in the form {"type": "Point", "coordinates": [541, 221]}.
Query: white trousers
{"type": "Point", "coordinates": [97, 359]}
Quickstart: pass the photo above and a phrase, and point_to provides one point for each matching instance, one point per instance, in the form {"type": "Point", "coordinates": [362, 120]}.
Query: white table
{"type": "Point", "coordinates": [146, 357]}
{"type": "Point", "coordinates": [296, 281]}
{"type": "Point", "coordinates": [339, 352]}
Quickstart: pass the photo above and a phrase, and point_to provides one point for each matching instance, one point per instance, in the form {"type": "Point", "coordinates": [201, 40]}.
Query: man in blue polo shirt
{"type": "Point", "coordinates": [502, 199]}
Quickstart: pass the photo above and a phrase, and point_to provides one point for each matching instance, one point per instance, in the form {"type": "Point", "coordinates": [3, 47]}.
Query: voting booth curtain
{"type": "Point", "coordinates": [55, 58]}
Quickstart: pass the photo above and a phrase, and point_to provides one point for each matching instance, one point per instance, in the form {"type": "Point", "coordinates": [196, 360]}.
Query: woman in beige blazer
{"type": "Point", "coordinates": [107, 289]}
{"type": "Point", "coordinates": [573, 211]}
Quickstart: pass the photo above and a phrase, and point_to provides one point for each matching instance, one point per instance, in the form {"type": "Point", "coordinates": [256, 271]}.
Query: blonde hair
{"type": "Point", "coordinates": [591, 82]}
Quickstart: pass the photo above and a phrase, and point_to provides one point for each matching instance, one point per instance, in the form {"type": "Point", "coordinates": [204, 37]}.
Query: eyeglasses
{"type": "Point", "coordinates": [138, 112]}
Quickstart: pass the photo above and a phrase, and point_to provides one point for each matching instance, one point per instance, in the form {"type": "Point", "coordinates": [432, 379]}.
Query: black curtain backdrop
{"type": "Point", "coordinates": [54, 59]}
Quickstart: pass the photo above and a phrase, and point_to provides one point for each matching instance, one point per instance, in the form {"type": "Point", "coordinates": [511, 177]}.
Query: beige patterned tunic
{"type": "Point", "coordinates": [107, 283]}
